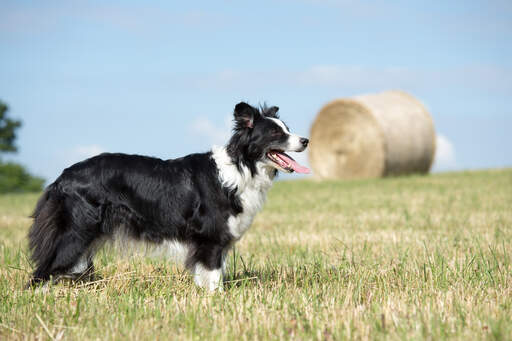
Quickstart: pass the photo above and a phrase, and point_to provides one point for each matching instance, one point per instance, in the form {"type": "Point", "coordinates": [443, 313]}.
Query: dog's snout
{"type": "Point", "coordinates": [304, 141]}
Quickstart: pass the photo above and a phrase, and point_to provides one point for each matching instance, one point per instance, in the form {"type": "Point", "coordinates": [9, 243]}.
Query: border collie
{"type": "Point", "coordinates": [197, 205]}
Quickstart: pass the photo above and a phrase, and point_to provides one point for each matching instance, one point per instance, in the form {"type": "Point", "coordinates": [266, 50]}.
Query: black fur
{"type": "Point", "coordinates": [253, 136]}
{"type": "Point", "coordinates": [153, 200]}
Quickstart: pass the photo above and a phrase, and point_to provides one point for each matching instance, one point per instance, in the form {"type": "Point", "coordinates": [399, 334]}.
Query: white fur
{"type": "Point", "coordinates": [281, 124]}
{"type": "Point", "coordinates": [294, 143]}
{"type": "Point", "coordinates": [83, 262]}
{"type": "Point", "coordinates": [80, 266]}
{"type": "Point", "coordinates": [175, 250]}
{"type": "Point", "coordinates": [171, 249]}
{"type": "Point", "coordinates": [208, 279]}
{"type": "Point", "coordinates": [252, 190]}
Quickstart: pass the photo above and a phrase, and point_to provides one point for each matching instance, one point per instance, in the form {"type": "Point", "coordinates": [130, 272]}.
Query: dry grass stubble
{"type": "Point", "coordinates": [400, 258]}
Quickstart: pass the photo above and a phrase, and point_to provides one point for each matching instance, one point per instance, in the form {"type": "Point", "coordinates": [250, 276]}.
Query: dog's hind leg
{"type": "Point", "coordinates": [74, 259]}
{"type": "Point", "coordinates": [60, 239]}
{"type": "Point", "coordinates": [82, 270]}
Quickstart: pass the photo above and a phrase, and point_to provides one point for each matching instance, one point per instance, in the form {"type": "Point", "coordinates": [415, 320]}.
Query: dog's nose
{"type": "Point", "coordinates": [304, 141]}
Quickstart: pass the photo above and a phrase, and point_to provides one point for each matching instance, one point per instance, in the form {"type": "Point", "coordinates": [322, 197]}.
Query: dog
{"type": "Point", "coordinates": [198, 205]}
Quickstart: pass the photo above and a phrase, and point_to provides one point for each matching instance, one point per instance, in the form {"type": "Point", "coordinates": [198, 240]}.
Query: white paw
{"type": "Point", "coordinates": [208, 279]}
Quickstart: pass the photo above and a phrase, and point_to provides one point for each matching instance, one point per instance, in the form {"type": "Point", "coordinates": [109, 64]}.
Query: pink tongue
{"type": "Point", "coordinates": [296, 167]}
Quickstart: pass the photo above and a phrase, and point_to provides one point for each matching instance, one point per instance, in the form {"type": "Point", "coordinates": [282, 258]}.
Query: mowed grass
{"type": "Point", "coordinates": [399, 258]}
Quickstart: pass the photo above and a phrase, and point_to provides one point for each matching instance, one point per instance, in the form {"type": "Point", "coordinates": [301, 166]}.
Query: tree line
{"type": "Point", "coordinates": [13, 176]}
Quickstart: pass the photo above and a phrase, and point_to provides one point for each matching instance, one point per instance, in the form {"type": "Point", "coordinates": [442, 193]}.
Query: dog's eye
{"type": "Point", "coordinates": [275, 132]}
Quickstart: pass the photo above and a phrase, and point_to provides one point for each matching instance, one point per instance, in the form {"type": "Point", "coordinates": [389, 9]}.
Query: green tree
{"type": "Point", "coordinates": [13, 177]}
{"type": "Point", "coordinates": [7, 130]}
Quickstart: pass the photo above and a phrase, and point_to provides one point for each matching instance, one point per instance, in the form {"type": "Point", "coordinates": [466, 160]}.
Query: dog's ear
{"type": "Point", "coordinates": [245, 115]}
{"type": "Point", "coordinates": [272, 112]}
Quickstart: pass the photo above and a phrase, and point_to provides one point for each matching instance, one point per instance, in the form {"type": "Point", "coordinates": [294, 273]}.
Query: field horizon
{"type": "Point", "coordinates": [399, 258]}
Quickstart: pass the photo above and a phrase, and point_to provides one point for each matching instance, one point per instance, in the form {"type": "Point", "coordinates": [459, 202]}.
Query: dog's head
{"type": "Point", "coordinates": [260, 137]}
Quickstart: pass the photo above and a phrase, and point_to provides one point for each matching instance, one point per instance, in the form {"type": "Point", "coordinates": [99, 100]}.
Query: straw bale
{"type": "Point", "coordinates": [389, 133]}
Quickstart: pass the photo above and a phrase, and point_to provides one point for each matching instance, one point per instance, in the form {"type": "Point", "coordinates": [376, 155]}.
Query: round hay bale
{"type": "Point", "coordinates": [389, 133]}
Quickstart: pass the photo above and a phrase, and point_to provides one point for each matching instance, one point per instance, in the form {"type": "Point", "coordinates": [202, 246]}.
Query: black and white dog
{"type": "Point", "coordinates": [197, 205]}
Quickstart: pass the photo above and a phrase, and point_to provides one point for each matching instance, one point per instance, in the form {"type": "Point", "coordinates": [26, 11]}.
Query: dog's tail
{"type": "Point", "coordinates": [44, 233]}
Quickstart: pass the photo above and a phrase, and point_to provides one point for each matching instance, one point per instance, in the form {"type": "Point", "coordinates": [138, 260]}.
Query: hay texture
{"type": "Point", "coordinates": [390, 133]}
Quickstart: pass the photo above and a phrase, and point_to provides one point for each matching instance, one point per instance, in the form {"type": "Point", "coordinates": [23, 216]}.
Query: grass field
{"type": "Point", "coordinates": [400, 258]}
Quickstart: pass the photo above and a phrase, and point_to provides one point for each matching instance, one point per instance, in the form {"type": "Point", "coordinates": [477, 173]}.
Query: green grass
{"type": "Point", "coordinates": [399, 258]}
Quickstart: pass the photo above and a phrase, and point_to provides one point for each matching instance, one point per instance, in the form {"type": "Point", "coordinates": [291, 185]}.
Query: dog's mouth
{"type": "Point", "coordinates": [285, 163]}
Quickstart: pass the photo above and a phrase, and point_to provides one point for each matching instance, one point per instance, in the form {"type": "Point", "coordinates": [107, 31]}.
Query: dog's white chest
{"type": "Point", "coordinates": [252, 202]}
{"type": "Point", "coordinates": [252, 190]}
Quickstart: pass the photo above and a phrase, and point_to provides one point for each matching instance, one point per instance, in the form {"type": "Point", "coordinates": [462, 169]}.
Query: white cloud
{"type": "Point", "coordinates": [445, 154]}
{"type": "Point", "coordinates": [363, 78]}
{"type": "Point", "coordinates": [359, 79]}
{"type": "Point", "coordinates": [81, 153]}
{"type": "Point", "coordinates": [132, 18]}
{"type": "Point", "coordinates": [64, 158]}
{"type": "Point", "coordinates": [215, 133]}
{"type": "Point", "coordinates": [88, 151]}
{"type": "Point", "coordinates": [349, 77]}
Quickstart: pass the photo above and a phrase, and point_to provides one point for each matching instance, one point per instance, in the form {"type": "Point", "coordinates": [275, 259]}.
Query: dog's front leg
{"type": "Point", "coordinates": [210, 279]}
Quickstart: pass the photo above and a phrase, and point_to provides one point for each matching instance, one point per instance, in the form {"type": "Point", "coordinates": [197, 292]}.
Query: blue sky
{"type": "Point", "coordinates": [162, 78]}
